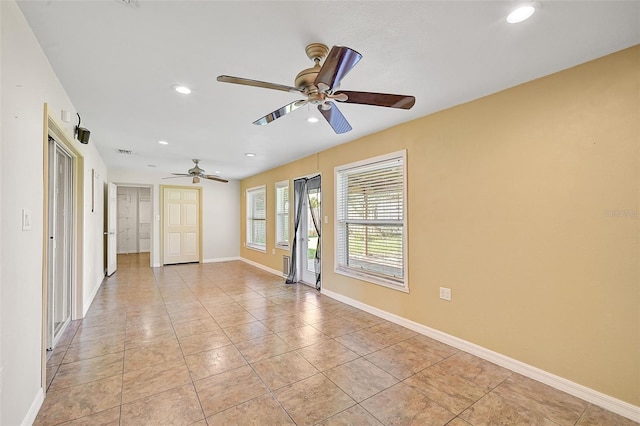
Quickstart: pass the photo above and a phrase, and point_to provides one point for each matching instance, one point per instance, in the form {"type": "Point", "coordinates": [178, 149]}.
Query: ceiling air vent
{"type": "Point", "coordinates": [124, 151]}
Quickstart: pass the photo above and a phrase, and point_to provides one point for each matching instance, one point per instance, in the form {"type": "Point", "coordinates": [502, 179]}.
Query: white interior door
{"type": "Point", "coordinates": [181, 225]}
{"type": "Point", "coordinates": [112, 223]}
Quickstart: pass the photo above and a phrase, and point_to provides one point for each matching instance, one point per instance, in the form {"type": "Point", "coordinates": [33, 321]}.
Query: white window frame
{"type": "Point", "coordinates": [282, 210]}
{"type": "Point", "coordinates": [251, 193]}
{"type": "Point", "coordinates": [341, 239]}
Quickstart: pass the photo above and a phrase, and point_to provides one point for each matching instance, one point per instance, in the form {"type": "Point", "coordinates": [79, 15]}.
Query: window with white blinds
{"type": "Point", "coordinates": [371, 221]}
{"type": "Point", "coordinates": [282, 214]}
{"type": "Point", "coordinates": [256, 218]}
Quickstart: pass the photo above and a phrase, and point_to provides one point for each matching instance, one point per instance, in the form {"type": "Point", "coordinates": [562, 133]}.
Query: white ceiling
{"type": "Point", "coordinates": [118, 61]}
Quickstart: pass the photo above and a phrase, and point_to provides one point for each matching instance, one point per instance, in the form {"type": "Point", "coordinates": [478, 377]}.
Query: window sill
{"type": "Point", "coordinates": [373, 279]}
{"type": "Point", "coordinates": [282, 246]}
{"type": "Point", "coordinates": [254, 248]}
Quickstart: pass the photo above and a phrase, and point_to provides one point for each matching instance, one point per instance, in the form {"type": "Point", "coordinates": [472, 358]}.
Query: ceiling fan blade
{"type": "Point", "coordinates": [175, 177]}
{"type": "Point", "coordinates": [180, 174]}
{"type": "Point", "coordinates": [280, 112]}
{"type": "Point", "coordinates": [377, 99]}
{"type": "Point", "coordinates": [339, 62]}
{"type": "Point", "coordinates": [256, 83]}
{"type": "Point", "coordinates": [335, 118]}
{"type": "Point", "coordinates": [216, 178]}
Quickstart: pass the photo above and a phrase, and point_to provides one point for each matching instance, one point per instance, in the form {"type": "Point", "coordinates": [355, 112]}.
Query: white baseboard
{"type": "Point", "coordinates": [220, 259]}
{"type": "Point", "coordinates": [264, 268]}
{"type": "Point", "coordinates": [594, 397]}
{"type": "Point", "coordinates": [33, 410]}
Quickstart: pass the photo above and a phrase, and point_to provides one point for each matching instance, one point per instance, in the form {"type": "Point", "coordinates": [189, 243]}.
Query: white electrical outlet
{"type": "Point", "coordinates": [445, 293]}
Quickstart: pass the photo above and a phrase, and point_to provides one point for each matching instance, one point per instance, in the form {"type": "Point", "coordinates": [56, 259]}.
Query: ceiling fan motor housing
{"type": "Point", "coordinates": [306, 78]}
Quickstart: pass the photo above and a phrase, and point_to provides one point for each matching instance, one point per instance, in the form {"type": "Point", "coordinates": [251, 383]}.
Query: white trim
{"type": "Point", "coordinates": [590, 395]}
{"type": "Point", "coordinates": [363, 165]}
{"type": "Point", "coordinates": [370, 278]}
{"type": "Point", "coordinates": [33, 410]}
{"type": "Point", "coordinates": [221, 259]}
{"type": "Point", "coordinates": [256, 248]}
{"type": "Point", "coordinates": [264, 268]}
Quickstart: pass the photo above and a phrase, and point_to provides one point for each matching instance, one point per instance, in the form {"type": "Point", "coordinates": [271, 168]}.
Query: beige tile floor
{"type": "Point", "coordinates": [229, 344]}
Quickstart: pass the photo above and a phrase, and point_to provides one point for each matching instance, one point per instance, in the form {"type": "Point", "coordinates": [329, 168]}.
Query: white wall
{"type": "Point", "coordinates": [27, 83]}
{"type": "Point", "coordinates": [220, 212]}
{"type": "Point", "coordinates": [1, 116]}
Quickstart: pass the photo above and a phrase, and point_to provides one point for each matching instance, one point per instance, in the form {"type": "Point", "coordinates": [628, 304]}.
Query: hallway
{"type": "Point", "coordinates": [227, 343]}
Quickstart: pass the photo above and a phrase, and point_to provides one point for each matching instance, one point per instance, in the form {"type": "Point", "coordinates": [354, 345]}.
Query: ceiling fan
{"type": "Point", "coordinates": [319, 85]}
{"type": "Point", "coordinates": [197, 173]}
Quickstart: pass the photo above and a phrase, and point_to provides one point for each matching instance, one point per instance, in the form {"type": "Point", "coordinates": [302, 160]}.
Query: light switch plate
{"type": "Point", "coordinates": [26, 220]}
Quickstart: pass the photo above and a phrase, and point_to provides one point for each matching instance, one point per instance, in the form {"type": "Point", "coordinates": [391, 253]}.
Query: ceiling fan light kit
{"type": "Point", "coordinates": [319, 85]}
{"type": "Point", "coordinates": [523, 12]}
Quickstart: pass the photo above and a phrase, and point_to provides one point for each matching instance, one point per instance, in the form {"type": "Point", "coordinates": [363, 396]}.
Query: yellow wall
{"type": "Point", "coordinates": [525, 203]}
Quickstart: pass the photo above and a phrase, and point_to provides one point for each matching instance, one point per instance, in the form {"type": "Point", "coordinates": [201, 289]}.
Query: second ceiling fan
{"type": "Point", "coordinates": [197, 173]}
{"type": "Point", "coordinates": [319, 85]}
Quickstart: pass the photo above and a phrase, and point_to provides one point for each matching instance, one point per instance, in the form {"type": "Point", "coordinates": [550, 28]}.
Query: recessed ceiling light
{"type": "Point", "coordinates": [163, 142]}
{"type": "Point", "coordinates": [181, 89]}
{"type": "Point", "coordinates": [312, 119]}
{"type": "Point", "coordinates": [250, 154]}
{"type": "Point", "coordinates": [217, 172]}
{"type": "Point", "coordinates": [522, 13]}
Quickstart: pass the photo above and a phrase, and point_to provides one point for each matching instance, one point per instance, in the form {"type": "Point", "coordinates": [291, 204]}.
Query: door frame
{"type": "Point", "coordinates": [58, 245]}
{"type": "Point", "coordinates": [153, 219]}
{"type": "Point", "coordinates": [162, 218]}
{"type": "Point", "coordinates": [52, 127]}
{"type": "Point", "coordinates": [138, 186]}
{"type": "Point", "coordinates": [301, 260]}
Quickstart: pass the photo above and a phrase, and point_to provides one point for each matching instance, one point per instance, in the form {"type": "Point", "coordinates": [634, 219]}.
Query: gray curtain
{"type": "Point", "coordinates": [301, 188]}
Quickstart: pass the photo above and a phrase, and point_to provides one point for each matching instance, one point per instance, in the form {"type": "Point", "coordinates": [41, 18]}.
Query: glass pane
{"type": "Point", "coordinates": [375, 248]}
{"type": "Point", "coordinates": [312, 234]}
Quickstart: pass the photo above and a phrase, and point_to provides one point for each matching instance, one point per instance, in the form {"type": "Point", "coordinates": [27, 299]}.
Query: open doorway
{"type": "Point", "coordinates": [128, 226]}
{"type": "Point", "coordinates": [134, 219]}
{"type": "Point", "coordinates": [306, 262]}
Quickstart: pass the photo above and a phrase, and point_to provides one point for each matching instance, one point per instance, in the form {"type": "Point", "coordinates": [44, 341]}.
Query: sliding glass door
{"type": "Point", "coordinates": [59, 265]}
